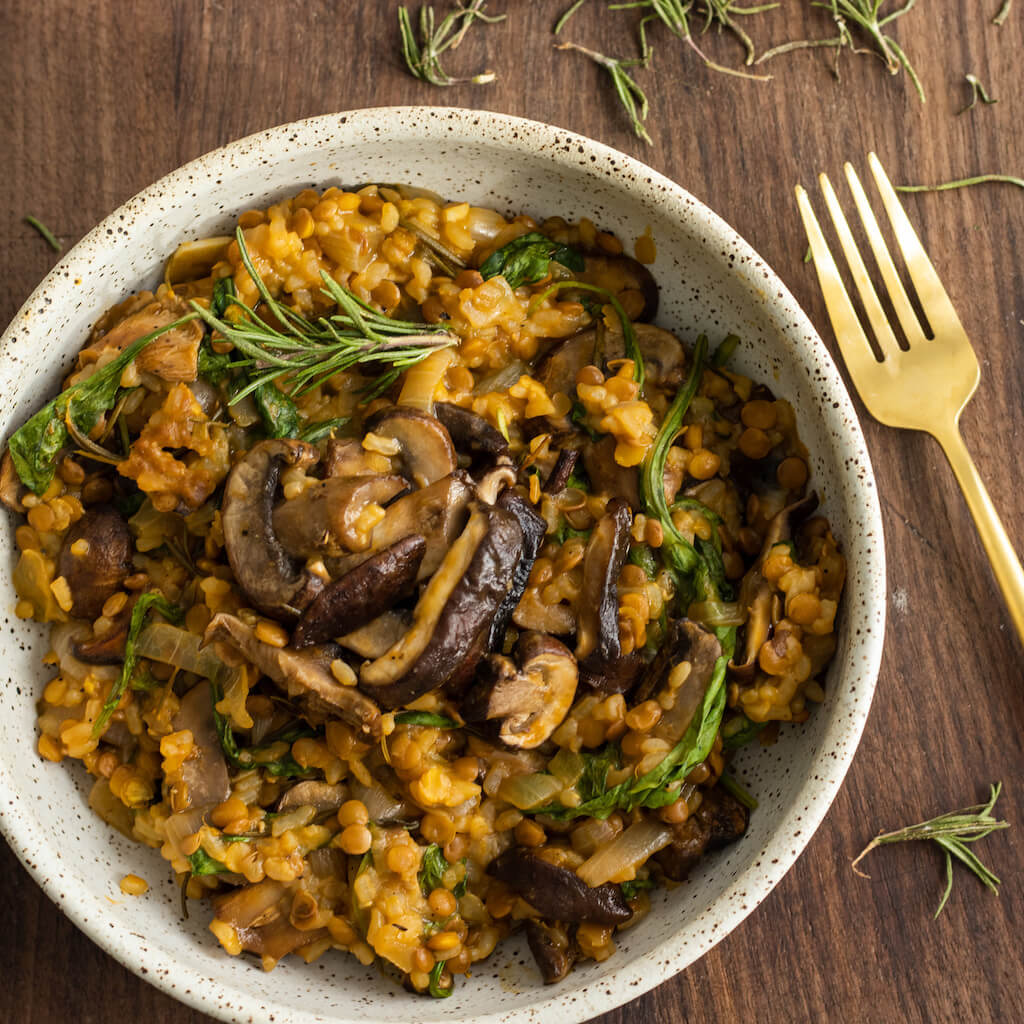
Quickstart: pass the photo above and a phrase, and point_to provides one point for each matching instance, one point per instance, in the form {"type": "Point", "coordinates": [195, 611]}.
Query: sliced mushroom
{"type": "Point", "coordinates": [472, 435]}
{"type": "Point", "coordinates": [204, 772]}
{"type": "Point", "coordinates": [597, 631]}
{"type": "Point", "coordinates": [260, 915]}
{"type": "Point", "coordinates": [553, 949]}
{"type": "Point", "coordinates": [325, 519]}
{"type": "Point", "coordinates": [558, 893]}
{"type": "Point", "coordinates": [756, 592]}
{"type": "Point", "coordinates": [607, 476]}
{"type": "Point", "coordinates": [721, 819]}
{"type": "Point", "coordinates": [426, 453]}
{"type": "Point", "coordinates": [301, 674]}
{"type": "Point", "coordinates": [275, 583]}
{"type": "Point", "coordinates": [497, 480]}
{"type": "Point", "coordinates": [455, 608]}
{"type": "Point", "coordinates": [378, 636]}
{"type": "Point", "coordinates": [11, 487]}
{"type": "Point", "coordinates": [195, 259]}
{"type": "Point", "coordinates": [95, 559]}
{"type": "Point", "coordinates": [437, 512]}
{"type": "Point", "coordinates": [107, 649]}
{"type": "Point", "coordinates": [361, 595]}
{"type": "Point", "coordinates": [679, 677]}
{"type": "Point", "coordinates": [626, 278]}
{"type": "Point", "coordinates": [558, 478]}
{"type": "Point", "coordinates": [530, 697]}
{"type": "Point", "coordinates": [173, 356]}
{"type": "Point", "coordinates": [346, 457]}
{"type": "Point", "coordinates": [321, 796]}
{"type": "Point", "coordinates": [534, 528]}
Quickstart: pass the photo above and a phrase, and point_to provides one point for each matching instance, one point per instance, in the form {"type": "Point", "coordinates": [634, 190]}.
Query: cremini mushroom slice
{"type": "Point", "coordinates": [363, 594]}
{"type": "Point", "coordinates": [426, 453]}
{"type": "Point", "coordinates": [377, 637]}
{"type": "Point", "coordinates": [323, 797]}
{"type": "Point", "coordinates": [95, 559]}
{"type": "Point", "coordinates": [607, 476]}
{"type": "Point", "coordinates": [438, 513]}
{"type": "Point", "coordinates": [302, 674]}
{"type": "Point", "coordinates": [529, 697]}
{"type": "Point", "coordinates": [454, 613]}
{"type": "Point", "coordinates": [204, 773]}
{"type": "Point", "coordinates": [272, 579]}
{"type": "Point", "coordinates": [472, 436]}
{"type": "Point", "coordinates": [195, 259]}
{"type": "Point", "coordinates": [534, 528]}
{"type": "Point", "coordinates": [328, 517]}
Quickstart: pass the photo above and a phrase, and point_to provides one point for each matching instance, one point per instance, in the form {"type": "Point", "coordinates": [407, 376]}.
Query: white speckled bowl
{"type": "Point", "coordinates": [712, 281]}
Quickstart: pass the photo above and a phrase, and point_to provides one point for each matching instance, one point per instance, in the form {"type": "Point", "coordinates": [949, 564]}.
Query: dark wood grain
{"type": "Point", "coordinates": [103, 97]}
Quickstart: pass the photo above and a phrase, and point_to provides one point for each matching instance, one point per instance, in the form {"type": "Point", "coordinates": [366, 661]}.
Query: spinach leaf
{"type": "Point", "coordinates": [435, 988]}
{"type": "Point", "coordinates": [432, 869]}
{"type": "Point", "coordinates": [201, 863]}
{"type": "Point", "coordinates": [314, 432]}
{"type": "Point", "coordinates": [634, 886]}
{"type": "Point", "coordinates": [578, 478]}
{"type": "Point", "coordinates": [36, 444]}
{"type": "Point", "coordinates": [525, 259]}
{"type": "Point", "coordinates": [578, 415]}
{"type": "Point", "coordinates": [279, 412]}
{"type": "Point", "coordinates": [425, 718]}
{"type": "Point", "coordinates": [642, 555]}
{"type": "Point", "coordinates": [565, 531]}
{"type": "Point", "coordinates": [214, 367]}
{"type": "Point", "coordinates": [224, 294]}
{"type": "Point", "coordinates": [155, 601]}
{"type": "Point", "coordinates": [740, 731]}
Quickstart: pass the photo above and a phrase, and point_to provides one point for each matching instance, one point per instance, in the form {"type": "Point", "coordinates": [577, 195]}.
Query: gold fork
{"type": "Point", "coordinates": [926, 386]}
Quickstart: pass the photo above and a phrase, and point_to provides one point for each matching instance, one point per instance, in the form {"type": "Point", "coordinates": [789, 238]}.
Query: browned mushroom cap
{"type": "Point", "coordinates": [558, 893]}
{"type": "Point", "coordinates": [107, 649]}
{"type": "Point", "coordinates": [11, 487]}
{"type": "Point", "coordinates": [679, 677]}
{"type": "Point", "coordinates": [261, 917]}
{"type": "Point", "coordinates": [721, 819]}
{"type": "Point", "coordinates": [597, 632]}
{"type": "Point", "coordinates": [553, 949]}
{"type": "Point", "coordinates": [95, 559]}
{"type": "Point", "coordinates": [363, 594]}
{"type": "Point", "coordinates": [530, 697]}
{"type": "Point", "coordinates": [426, 453]}
{"type": "Point", "coordinates": [204, 772]}
{"type": "Point", "coordinates": [534, 528]}
{"type": "Point", "coordinates": [301, 674]}
{"type": "Point", "coordinates": [756, 592]}
{"type": "Point", "coordinates": [325, 518]}
{"type": "Point", "coordinates": [322, 796]}
{"type": "Point", "coordinates": [437, 513]}
{"type": "Point", "coordinates": [607, 476]}
{"type": "Point", "coordinates": [472, 435]}
{"type": "Point", "coordinates": [455, 608]}
{"type": "Point", "coordinates": [274, 582]}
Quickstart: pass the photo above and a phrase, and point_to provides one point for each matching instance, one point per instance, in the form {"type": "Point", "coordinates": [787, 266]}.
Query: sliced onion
{"type": "Point", "coordinates": [110, 808]}
{"type": "Point", "coordinates": [173, 646]}
{"type": "Point", "coordinates": [593, 833]}
{"type": "Point", "coordinates": [382, 807]}
{"type": "Point", "coordinates": [180, 826]}
{"type": "Point", "coordinates": [503, 379]}
{"type": "Point", "coordinates": [625, 853]}
{"type": "Point", "coordinates": [421, 381]}
{"type": "Point", "coordinates": [717, 613]}
{"type": "Point", "coordinates": [529, 791]}
{"type": "Point", "coordinates": [63, 638]}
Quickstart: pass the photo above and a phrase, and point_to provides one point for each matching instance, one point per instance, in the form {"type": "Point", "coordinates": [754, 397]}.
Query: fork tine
{"type": "Point", "coordinates": [876, 315]}
{"type": "Point", "coordinates": [853, 342]}
{"type": "Point", "coordinates": [932, 295]}
{"type": "Point", "coordinates": [897, 293]}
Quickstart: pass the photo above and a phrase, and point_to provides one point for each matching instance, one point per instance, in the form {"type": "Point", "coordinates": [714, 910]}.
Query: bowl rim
{"type": "Point", "coordinates": [640, 974]}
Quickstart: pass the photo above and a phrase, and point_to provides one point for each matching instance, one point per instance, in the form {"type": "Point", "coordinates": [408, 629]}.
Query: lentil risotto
{"type": "Point", "coordinates": [409, 587]}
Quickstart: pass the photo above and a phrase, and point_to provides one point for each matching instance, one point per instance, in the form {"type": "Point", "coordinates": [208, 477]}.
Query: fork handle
{"type": "Point", "coordinates": [1005, 563]}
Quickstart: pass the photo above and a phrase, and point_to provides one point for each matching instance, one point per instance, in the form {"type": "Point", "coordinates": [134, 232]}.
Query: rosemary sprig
{"type": "Point", "coordinates": [630, 95]}
{"type": "Point", "coordinates": [304, 353]}
{"type": "Point", "coordinates": [1003, 13]}
{"type": "Point", "coordinates": [977, 93]}
{"type": "Point", "coordinates": [423, 56]}
{"type": "Point", "coordinates": [952, 832]}
{"type": "Point", "coordinates": [979, 179]}
{"type": "Point", "coordinates": [868, 17]}
{"type": "Point", "coordinates": [48, 236]}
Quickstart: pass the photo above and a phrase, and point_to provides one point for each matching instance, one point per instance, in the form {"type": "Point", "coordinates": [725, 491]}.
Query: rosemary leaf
{"type": "Point", "coordinates": [423, 56]}
{"type": "Point", "coordinates": [48, 236]}
{"type": "Point", "coordinates": [1003, 12]}
{"type": "Point", "coordinates": [570, 11]}
{"type": "Point", "coordinates": [977, 93]}
{"type": "Point", "coordinates": [630, 95]}
{"type": "Point", "coordinates": [951, 832]}
{"type": "Point", "coordinates": [980, 179]}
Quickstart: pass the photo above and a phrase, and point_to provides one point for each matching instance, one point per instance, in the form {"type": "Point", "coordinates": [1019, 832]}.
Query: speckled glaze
{"type": "Point", "coordinates": [711, 281]}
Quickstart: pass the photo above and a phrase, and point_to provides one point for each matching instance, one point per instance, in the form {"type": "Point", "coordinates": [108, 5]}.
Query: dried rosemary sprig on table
{"type": "Point", "coordinates": [423, 56]}
{"type": "Point", "coordinates": [1003, 13]}
{"type": "Point", "coordinates": [303, 353]}
{"type": "Point", "coordinates": [977, 93]}
{"type": "Point", "coordinates": [48, 236]}
{"type": "Point", "coordinates": [979, 179]}
{"type": "Point", "coordinates": [868, 17]}
{"type": "Point", "coordinates": [952, 832]}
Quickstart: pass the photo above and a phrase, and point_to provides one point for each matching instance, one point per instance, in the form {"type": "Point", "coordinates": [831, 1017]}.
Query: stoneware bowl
{"type": "Point", "coordinates": [711, 281]}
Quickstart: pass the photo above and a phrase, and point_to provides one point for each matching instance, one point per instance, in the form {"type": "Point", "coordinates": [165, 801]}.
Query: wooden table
{"type": "Point", "coordinates": [105, 97]}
